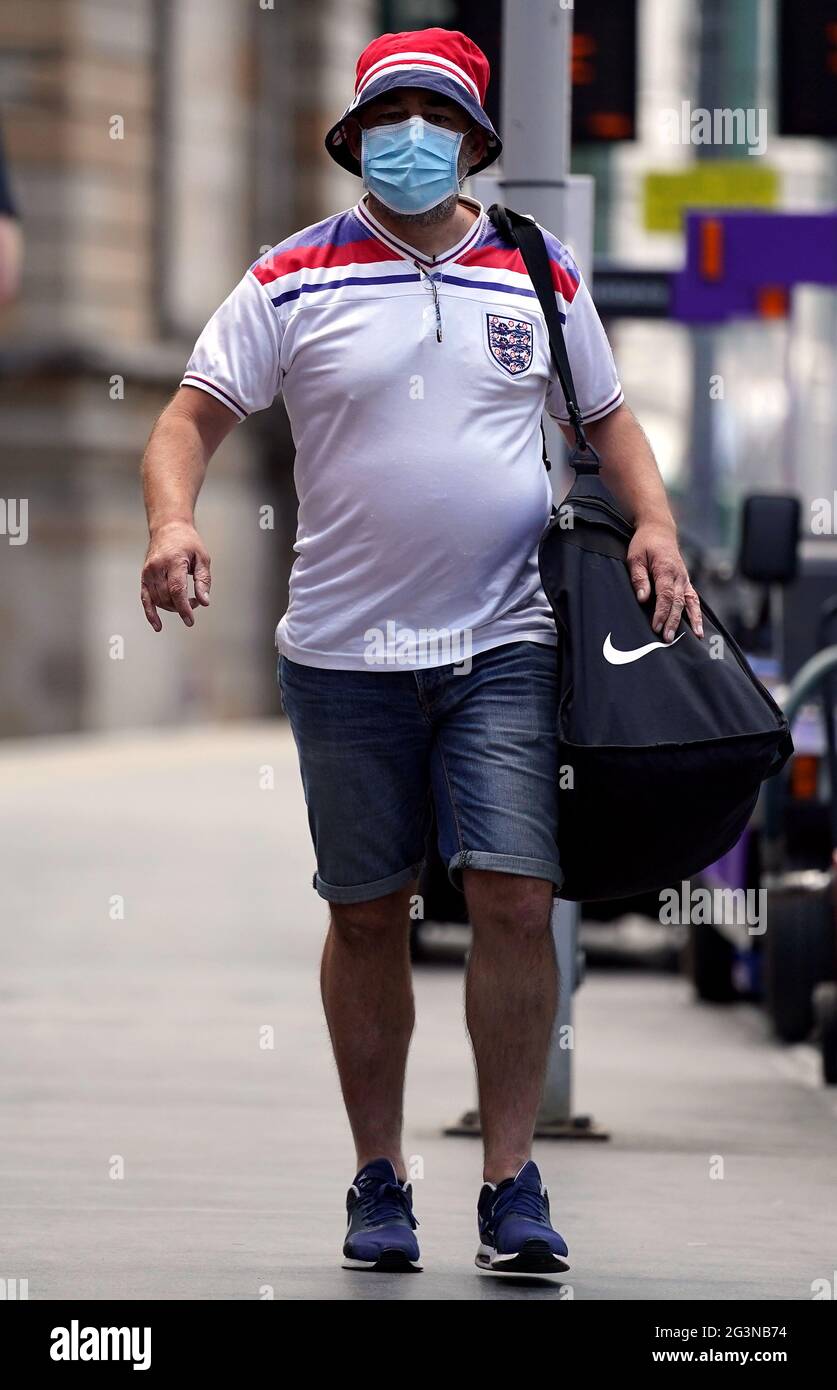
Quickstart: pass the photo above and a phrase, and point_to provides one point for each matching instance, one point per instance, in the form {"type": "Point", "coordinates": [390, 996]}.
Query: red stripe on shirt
{"type": "Point", "coordinates": [509, 258]}
{"type": "Point", "coordinates": [363, 252]}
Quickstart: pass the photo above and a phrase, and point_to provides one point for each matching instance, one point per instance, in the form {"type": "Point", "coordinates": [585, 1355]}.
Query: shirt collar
{"type": "Point", "coordinates": [409, 252]}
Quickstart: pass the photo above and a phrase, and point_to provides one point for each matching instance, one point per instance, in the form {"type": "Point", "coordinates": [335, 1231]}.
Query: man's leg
{"type": "Point", "coordinates": [495, 782]}
{"type": "Point", "coordinates": [511, 993]}
{"type": "Point", "coordinates": [494, 765]}
{"type": "Point", "coordinates": [364, 749]}
{"type": "Point", "coordinates": [368, 998]}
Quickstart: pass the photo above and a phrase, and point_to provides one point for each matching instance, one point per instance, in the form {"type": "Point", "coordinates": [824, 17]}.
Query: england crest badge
{"type": "Point", "coordinates": [510, 343]}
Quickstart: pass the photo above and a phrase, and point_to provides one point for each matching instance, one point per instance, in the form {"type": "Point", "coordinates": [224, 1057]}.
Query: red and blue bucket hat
{"type": "Point", "coordinates": [441, 60]}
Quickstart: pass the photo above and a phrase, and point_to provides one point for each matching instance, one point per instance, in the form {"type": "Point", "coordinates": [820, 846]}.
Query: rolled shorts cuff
{"type": "Point", "coordinates": [366, 892]}
{"type": "Point", "coordinates": [503, 864]}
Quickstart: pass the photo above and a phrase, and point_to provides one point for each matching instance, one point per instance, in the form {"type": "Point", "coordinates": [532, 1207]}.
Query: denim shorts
{"type": "Point", "coordinates": [380, 751]}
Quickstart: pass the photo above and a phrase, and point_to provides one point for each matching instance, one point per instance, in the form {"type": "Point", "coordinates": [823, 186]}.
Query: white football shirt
{"type": "Point", "coordinates": [414, 386]}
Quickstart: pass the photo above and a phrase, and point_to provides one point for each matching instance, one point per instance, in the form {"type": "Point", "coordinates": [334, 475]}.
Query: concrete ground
{"type": "Point", "coordinates": [160, 932]}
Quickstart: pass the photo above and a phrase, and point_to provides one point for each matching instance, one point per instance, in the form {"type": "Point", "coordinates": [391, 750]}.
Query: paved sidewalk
{"type": "Point", "coordinates": [138, 1039]}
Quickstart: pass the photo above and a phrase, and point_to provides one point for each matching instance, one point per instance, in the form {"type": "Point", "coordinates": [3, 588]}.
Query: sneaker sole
{"type": "Point", "coordinates": [534, 1260]}
{"type": "Point", "coordinates": [388, 1262]}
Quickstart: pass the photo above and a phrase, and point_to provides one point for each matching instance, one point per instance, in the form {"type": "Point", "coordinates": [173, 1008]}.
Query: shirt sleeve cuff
{"type": "Point", "coordinates": [588, 416]}
{"type": "Point", "coordinates": [204, 384]}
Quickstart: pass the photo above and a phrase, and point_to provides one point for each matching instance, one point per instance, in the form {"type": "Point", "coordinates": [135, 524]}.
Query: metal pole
{"type": "Point", "coordinates": [536, 123]}
{"type": "Point", "coordinates": [536, 97]}
{"type": "Point", "coordinates": [535, 178]}
{"type": "Point", "coordinates": [536, 128]}
{"type": "Point", "coordinates": [727, 77]}
{"type": "Point", "coordinates": [536, 107]}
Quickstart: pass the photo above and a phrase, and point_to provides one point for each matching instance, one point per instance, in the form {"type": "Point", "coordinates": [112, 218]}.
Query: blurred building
{"type": "Point", "coordinates": [155, 146]}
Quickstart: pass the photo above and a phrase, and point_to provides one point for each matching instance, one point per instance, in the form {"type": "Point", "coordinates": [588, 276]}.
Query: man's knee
{"type": "Point", "coordinates": [357, 924]}
{"type": "Point", "coordinates": [508, 903]}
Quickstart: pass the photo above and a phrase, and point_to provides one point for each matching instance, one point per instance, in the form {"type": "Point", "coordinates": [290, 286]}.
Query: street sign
{"type": "Point", "coordinates": [738, 263]}
{"type": "Point", "coordinates": [604, 72]}
{"type": "Point", "coordinates": [808, 68]}
{"type": "Point", "coordinates": [622, 292]}
{"type": "Point", "coordinates": [733, 183]}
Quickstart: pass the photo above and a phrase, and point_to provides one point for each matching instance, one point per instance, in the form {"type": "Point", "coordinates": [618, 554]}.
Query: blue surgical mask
{"type": "Point", "coordinates": [412, 166]}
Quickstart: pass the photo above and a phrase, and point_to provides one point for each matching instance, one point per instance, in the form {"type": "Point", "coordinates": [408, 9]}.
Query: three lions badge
{"type": "Point", "coordinates": [510, 343]}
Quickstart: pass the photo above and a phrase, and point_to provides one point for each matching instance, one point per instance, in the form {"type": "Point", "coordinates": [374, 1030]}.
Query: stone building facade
{"type": "Point", "coordinates": [155, 146]}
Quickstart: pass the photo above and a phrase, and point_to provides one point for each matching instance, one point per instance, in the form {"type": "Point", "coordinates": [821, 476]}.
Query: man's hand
{"type": "Point", "coordinates": [174, 552]}
{"type": "Point", "coordinates": [654, 558]}
{"type": "Point", "coordinates": [182, 442]}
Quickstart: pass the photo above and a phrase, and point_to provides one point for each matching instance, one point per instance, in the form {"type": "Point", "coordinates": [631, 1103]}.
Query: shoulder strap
{"type": "Point", "coordinates": [524, 233]}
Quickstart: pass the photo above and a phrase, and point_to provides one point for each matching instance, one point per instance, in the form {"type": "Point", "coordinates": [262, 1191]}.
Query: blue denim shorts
{"type": "Point", "coordinates": [379, 751]}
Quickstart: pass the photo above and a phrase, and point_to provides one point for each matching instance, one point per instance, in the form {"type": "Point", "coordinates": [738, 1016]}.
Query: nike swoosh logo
{"type": "Point", "coordinates": [617, 658]}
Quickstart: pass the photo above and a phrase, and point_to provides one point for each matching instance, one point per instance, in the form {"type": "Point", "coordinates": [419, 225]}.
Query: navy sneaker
{"type": "Point", "coordinates": [516, 1235]}
{"type": "Point", "coordinates": [381, 1222]}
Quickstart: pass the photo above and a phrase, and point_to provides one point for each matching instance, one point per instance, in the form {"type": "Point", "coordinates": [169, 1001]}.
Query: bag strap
{"type": "Point", "coordinates": [524, 233]}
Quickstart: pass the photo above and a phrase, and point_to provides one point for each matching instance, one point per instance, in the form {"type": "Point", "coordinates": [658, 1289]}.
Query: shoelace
{"type": "Point", "coordinates": [523, 1202]}
{"type": "Point", "coordinates": [384, 1202]}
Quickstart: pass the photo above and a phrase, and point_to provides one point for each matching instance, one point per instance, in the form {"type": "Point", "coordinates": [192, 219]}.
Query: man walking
{"type": "Point", "coordinates": [417, 658]}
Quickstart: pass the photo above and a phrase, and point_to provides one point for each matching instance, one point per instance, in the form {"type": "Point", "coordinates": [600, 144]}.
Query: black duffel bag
{"type": "Point", "coordinates": [663, 746]}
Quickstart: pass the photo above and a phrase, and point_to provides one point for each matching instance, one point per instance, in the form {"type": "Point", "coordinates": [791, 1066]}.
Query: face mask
{"type": "Point", "coordinates": [411, 166]}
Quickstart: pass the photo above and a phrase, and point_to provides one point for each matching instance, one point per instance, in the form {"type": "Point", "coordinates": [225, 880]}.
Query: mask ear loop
{"type": "Point", "coordinates": [466, 175]}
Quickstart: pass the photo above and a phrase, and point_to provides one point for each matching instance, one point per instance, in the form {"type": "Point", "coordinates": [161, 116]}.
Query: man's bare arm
{"type": "Point", "coordinates": [629, 468]}
{"type": "Point", "coordinates": [182, 442]}
{"type": "Point", "coordinates": [630, 471]}
{"type": "Point", "coordinates": [11, 257]}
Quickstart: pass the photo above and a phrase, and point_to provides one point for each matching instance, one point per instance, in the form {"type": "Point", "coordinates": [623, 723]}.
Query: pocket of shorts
{"type": "Point", "coordinates": [279, 683]}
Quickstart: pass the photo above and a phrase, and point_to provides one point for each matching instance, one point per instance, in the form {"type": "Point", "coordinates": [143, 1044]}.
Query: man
{"type": "Point", "coordinates": [417, 656]}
